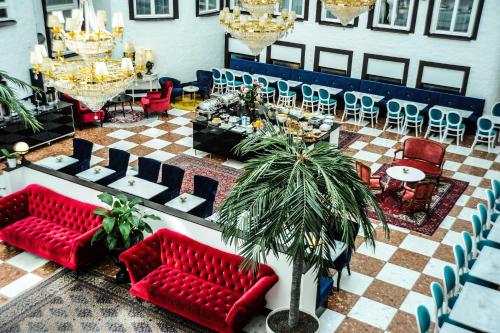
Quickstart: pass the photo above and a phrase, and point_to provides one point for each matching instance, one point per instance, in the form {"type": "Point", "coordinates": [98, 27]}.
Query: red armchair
{"type": "Point", "coordinates": [51, 226]}
{"type": "Point", "coordinates": [365, 173]}
{"type": "Point", "coordinates": [425, 155]}
{"type": "Point", "coordinates": [82, 114]}
{"type": "Point", "coordinates": [158, 101]}
{"type": "Point", "coordinates": [196, 281]}
{"type": "Point", "coordinates": [419, 197]}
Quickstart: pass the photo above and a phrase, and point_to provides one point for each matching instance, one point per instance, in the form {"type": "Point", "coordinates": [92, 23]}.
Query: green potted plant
{"type": "Point", "coordinates": [122, 227]}
{"type": "Point", "coordinates": [11, 158]}
{"type": "Point", "coordinates": [250, 98]}
{"type": "Point", "coordinates": [296, 199]}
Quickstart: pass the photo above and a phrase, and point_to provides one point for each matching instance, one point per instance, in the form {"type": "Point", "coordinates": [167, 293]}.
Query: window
{"type": "Point", "coordinates": [332, 61]}
{"type": "Point", "coordinates": [208, 7]}
{"type": "Point", "coordinates": [385, 69]}
{"type": "Point", "coordinates": [286, 54]}
{"type": "Point", "coordinates": [455, 18]}
{"type": "Point", "coordinates": [443, 77]}
{"type": "Point", "coordinates": [62, 5]}
{"type": "Point", "coordinates": [394, 15]}
{"type": "Point", "coordinates": [153, 9]}
{"type": "Point", "coordinates": [4, 13]}
{"type": "Point", "coordinates": [301, 7]}
{"type": "Point", "coordinates": [234, 48]}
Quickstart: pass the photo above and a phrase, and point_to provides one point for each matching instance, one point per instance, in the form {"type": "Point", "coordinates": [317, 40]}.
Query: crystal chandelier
{"type": "Point", "coordinates": [346, 10]}
{"type": "Point", "coordinates": [260, 29]}
{"type": "Point", "coordinates": [95, 78]}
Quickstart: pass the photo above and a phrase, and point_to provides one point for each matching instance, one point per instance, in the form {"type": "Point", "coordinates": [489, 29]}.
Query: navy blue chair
{"type": "Point", "coordinates": [82, 151]}
{"type": "Point", "coordinates": [118, 161]}
{"type": "Point", "coordinates": [177, 86]}
{"type": "Point", "coordinates": [171, 177]}
{"type": "Point", "coordinates": [325, 286]}
{"type": "Point", "coordinates": [149, 169]}
{"type": "Point", "coordinates": [344, 259]}
{"type": "Point", "coordinates": [204, 81]}
{"type": "Point", "coordinates": [205, 188]}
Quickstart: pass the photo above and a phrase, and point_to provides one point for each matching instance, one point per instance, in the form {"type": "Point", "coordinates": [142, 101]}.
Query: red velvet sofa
{"type": "Point", "coordinates": [422, 154]}
{"type": "Point", "coordinates": [51, 226]}
{"type": "Point", "coordinates": [82, 114]}
{"type": "Point", "coordinates": [196, 281]}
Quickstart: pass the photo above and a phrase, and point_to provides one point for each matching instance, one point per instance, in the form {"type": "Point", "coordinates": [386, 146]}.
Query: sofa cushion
{"type": "Point", "coordinates": [428, 168]}
{"type": "Point", "coordinates": [170, 287]}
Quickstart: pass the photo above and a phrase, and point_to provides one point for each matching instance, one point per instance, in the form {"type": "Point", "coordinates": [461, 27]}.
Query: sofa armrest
{"type": "Point", "coordinates": [83, 252]}
{"type": "Point", "coordinates": [248, 302]}
{"type": "Point", "coordinates": [396, 152]}
{"type": "Point", "coordinates": [142, 258]}
{"type": "Point", "coordinates": [13, 208]}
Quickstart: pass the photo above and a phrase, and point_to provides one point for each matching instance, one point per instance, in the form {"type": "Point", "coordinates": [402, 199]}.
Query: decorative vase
{"type": "Point", "coordinates": [12, 162]}
{"type": "Point", "coordinates": [304, 329]}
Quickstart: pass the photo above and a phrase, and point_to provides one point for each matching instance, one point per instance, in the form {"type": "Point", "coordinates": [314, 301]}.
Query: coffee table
{"type": "Point", "coordinates": [190, 90]}
{"type": "Point", "coordinates": [191, 202]}
{"type": "Point", "coordinates": [122, 99]}
{"type": "Point", "coordinates": [405, 175]}
{"type": "Point", "coordinates": [92, 176]}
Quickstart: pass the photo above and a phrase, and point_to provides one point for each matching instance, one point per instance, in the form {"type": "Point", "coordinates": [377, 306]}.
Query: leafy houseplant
{"type": "Point", "coordinates": [11, 158]}
{"type": "Point", "coordinates": [10, 102]}
{"type": "Point", "coordinates": [250, 97]}
{"type": "Point", "coordinates": [122, 227]}
{"type": "Point", "coordinates": [298, 200]}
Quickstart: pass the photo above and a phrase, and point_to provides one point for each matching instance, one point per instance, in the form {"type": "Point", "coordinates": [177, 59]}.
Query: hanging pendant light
{"type": "Point", "coordinates": [347, 10]}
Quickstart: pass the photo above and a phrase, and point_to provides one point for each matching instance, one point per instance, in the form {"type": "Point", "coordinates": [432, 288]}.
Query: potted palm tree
{"type": "Point", "coordinates": [296, 199]}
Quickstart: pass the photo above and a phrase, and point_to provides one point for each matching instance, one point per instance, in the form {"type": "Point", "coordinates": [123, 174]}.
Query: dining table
{"type": "Point", "coordinates": [447, 109]}
{"type": "Point", "coordinates": [494, 234]}
{"type": "Point", "coordinates": [138, 187]}
{"type": "Point", "coordinates": [403, 102]}
{"type": "Point", "coordinates": [185, 202]}
{"type": "Point", "coordinates": [95, 173]}
{"type": "Point", "coordinates": [376, 98]}
{"type": "Point", "coordinates": [331, 90]}
{"type": "Point", "coordinates": [450, 328]}
{"type": "Point", "coordinates": [56, 162]}
{"type": "Point", "coordinates": [236, 73]}
{"type": "Point", "coordinates": [487, 265]}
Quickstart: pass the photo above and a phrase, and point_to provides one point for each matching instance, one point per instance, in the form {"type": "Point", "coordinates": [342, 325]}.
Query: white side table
{"type": "Point", "coordinates": [56, 162]}
{"type": "Point", "coordinates": [405, 174]}
{"type": "Point", "coordinates": [190, 90]}
{"type": "Point", "coordinates": [95, 173]}
{"type": "Point", "coordinates": [191, 201]}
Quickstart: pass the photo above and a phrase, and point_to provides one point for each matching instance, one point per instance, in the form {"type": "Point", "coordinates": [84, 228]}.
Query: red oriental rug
{"type": "Point", "coordinates": [346, 138]}
{"type": "Point", "coordinates": [443, 200]}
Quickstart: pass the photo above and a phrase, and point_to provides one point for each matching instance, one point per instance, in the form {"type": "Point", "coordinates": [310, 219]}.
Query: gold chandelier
{"type": "Point", "coordinates": [95, 78]}
{"type": "Point", "coordinates": [260, 29]}
{"type": "Point", "coordinates": [346, 10]}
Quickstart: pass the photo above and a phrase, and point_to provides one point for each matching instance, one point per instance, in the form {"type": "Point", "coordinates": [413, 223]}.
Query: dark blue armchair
{"type": "Point", "coordinates": [325, 287]}
{"type": "Point", "coordinates": [149, 169]}
{"type": "Point", "coordinates": [82, 151]}
{"type": "Point", "coordinates": [118, 161]}
{"type": "Point", "coordinates": [205, 188]}
{"type": "Point", "coordinates": [172, 177]}
{"type": "Point", "coordinates": [177, 86]}
{"type": "Point", "coordinates": [204, 81]}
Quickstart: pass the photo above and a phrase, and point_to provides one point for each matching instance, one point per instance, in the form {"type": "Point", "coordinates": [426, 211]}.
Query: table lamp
{"type": "Point", "coordinates": [21, 148]}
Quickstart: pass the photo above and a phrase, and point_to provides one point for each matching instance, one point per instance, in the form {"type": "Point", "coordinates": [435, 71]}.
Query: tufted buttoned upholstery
{"type": "Point", "coordinates": [50, 225]}
{"type": "Point", "coordinates": [196, 281]}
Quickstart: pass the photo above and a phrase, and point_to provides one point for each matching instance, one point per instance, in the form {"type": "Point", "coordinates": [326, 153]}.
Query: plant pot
{"type": "Point", "coordinates": [12, 162]}
{"type": "Point", "coordinates": [122, 276]}
{"type": "Point", "coordinates": [301, 328]}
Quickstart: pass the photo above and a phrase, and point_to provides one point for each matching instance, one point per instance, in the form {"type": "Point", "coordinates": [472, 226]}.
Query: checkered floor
{"type": "Point", "coordinates": [385, 285]}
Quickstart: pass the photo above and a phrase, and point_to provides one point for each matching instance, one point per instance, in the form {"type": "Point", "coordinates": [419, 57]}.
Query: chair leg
{"type": "Point", "coordinates": [339, 275]}
{"type": "Point", "coordinates": [349, 269]}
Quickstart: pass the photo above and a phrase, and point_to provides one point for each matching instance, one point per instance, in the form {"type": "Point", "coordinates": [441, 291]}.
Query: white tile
{"type": "Point", "coordinates": [234, 164]}
{"type": "Point", "coordinates": [448, 222]}
{"type": "Point", "coordinates": [183, 131]}
{"type": "Point", "coordinates": [458, 150]}
{"type": "Point", "coordinates": [153, 132]}
{"type": "Point", "coordinates": [177, 112]}
{"type": "Point", "coordinates": [450, 165]}
{"type": "Point", "coordinates": [390, 152]}
{"type": "Point", "coordinates": [452, 237]}
{"type": "Point", "coordinates": [366, 156]}
{"type": "Point", "coordinates": [355, 283]}
{"type": "Point", "coordinates": [466, 213]}
{"type": "Point", "coordinates": [462, 201]}
{"type": "Point", "coordinates": [480, 193]}
{"type": "Point", "coordinates": [256, 325]}
{"type": "Point", "coordinates": [370, 131]}
{"type": "Point", "coordinates": [478, 162]}
{"type": "Point", "coordinates": [185, 141]}
{"type": "Point", "coordinates": [383, 142]}
{"type": "Point", "coordinates": [96, 147]}
{"type": "Point", "coordinates": [399, 276]}
{"type": "Point", "coordinates": [156, 143]}
{"type": "Point", "coordinates": [372, 313]}
{"type": "Point", "coordinates": [375, 166]}
{"type": "Point", "coordinates": [398, 228]}
{"type": "Point", "coordinates": [484, 147]}
{"type": "Point", "coordinates": [27, 261]}
{"type": "Point", "coordinates": [381, 251]}
{"type": "Point", "coordinates": [121, 134]}
{"type": "Point", "coordinates": [358, 145]}
{"type": "Point", "coordinates": [18, 286]}
{"type": "Point", "coordinates": [413, 299]}
{"type": "Point", "coordinates": [435, 268]}
{"type": "Point", "coordinates": [95, 159]}
{"type": "Point", "coordinates": [155, 123]}
{"type": "Point", "coordinates": [419, 245]}
{"type": "Point", "coordinates": [133, 158]}
{"type": "Point", "coordinates": [123, 145]}
{"type": "Point", "coordinates": [492, 174]}
{"type": "Point", "coordinates": [473, 180]}
{"type": "Point", "coordinates": [394, 129]}
{"type": "Point", "coordinates": [195, 153]}
{"type": "Point", "coordinates": [330, 321]}
{"type": "Point", "coordinates": [160, 155]}
{"type": "Point", "coordinates": [180, 121]}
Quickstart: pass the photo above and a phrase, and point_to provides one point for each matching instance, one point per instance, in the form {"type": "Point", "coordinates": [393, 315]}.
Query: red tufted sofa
{"type": "Point", "coordinates": [422, 154]}
{"type": "Point", "coordinates": [50, 225]}
{"type": "Point", "coordinates": [196, 281]}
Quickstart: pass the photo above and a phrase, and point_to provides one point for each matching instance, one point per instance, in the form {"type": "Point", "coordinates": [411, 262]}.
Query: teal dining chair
{"type": "Point", "coordinates": [495, 112]}
{"type": "Point", "coordinates": [394, 116]}
{"type": "Point", "coordinates": [454, 127]}
{"type": "Point", "coordinates": [266, 93]}
{"type": "Point", "coordinates": [493, 206]}
{"type": "Point", "coordinates": [423, 317]}
{"type": "Point", "coordinates": [450, 287]}
{"type": "Point", "coordinates": [440, 312]}
{"type": "Point", "coordinates": [368, 110]}
{"type": "Point", "coordinates": [478, 235]}
{"type": "Point", "coordinates": [470, 251]}
{"type": "Point", "coordinates": [485, 133]}
{"type": "Point", "coordinates": [309, 100]}
{"type": "Point", "coordinates": [436, 124]}
{"type": "Point", "coordinates": [248, 80]}
{"type": "Point", "coordinates": [285, 96]}
{"type": "Point", "coordinates": [484, 218]}
{"type": "Point", "coordinates": [220, 83]}
{"type": "Point", "coordinates": [413, 118]}
{"type": "Point", "coordinates": [495, 187]}
{"type": "Point", "coordinates": [326, 103]}
{"type": "Point", "coordinates": [351, 106]}
{"type": "Point", "coordinates": [232, 84]}
{"type": "Point", "coordinates": [462, 271]}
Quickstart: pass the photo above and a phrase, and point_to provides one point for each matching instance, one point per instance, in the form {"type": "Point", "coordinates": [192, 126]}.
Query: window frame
{"type": "Point", "coordinates": [404, 61]}
{"type": "Point", "coordinates": [433, 14]}
{"type": "Point", "coordinates": [323, 20]}
{"type": "Point", "coordinates": [153, 17]}
{"type": "Point", "coordinates": [211, 12]}
{"type": "Point", "coordinates": [465, 69]}
{"type": "Point", "coordinates": [373, 17]}
{"type": "Point", "coordinates": [303, 17]}
{"type": "Point", "coordinates": [317, 57]}
{"type": "Point", "coordinates": [227, 53]}
{"type": "Point", "coordinates": [5, 5]}
{"type": "Point", "coordinates": [302, 47]}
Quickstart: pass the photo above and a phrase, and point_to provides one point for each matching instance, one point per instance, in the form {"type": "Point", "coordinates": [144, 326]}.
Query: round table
{"type": "Point", "coordinates": [122, 99]}
{"type": "Point", "coordinates": [190, 90]}
{"type": "Point", "coordinates": [405, 174]}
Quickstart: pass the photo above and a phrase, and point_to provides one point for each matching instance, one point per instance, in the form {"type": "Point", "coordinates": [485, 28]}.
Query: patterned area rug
{"type": "Point", "coordinates": [133, 117]}
{"type": "Point", "coordinates": [226, 176]}
{"type": "Point", "coordinates": [346, 138]}
{"type": "Point", "coordinates": [71, 302]}
{"type": "Point", "coordinates": [443, 200]}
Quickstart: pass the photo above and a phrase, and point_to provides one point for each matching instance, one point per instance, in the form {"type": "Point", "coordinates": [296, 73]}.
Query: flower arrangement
{"type": "Point", "coordinates": [250, 97]}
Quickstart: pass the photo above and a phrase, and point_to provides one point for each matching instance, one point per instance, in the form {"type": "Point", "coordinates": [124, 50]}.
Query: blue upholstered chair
{"type": "Point", "coordinates": [438, 296]}
{"type": "Point", "coordinates": [177, 90]}
{"type": "Point", "coordinates": [484, 218]}
{"type": "Point", "coordinates": [149, 169]}
{"type": "Point", "coordinates": [413, 118]}
{"type": "Point", "coordinates": [204, 82]}
{"type": "Point", "coordinates": [266, 93]}
{"type": "Point", "coordinates": [205, 188]}
{"type": "Point", "coordinates": [220, 83]}
{"type": "Point", "coordinates": [286, 97]}
{"type": "Point", "coordinates": [82, 151]}
{"type": "Point", "coordinates": [437, 124]}
{"type": "Point", "coordinates": [485, 133]}
{"type": "Point", "coordinates": [325, 286]}
{"type": "Point", "coordinates": [495, 187]}
{"type": "Point", "coordinates": [495, 112]}
{"type": "Point", "coordinates": [454, 127]}
{"type": "Point", "coordinates": [171, 177]}
{"type": "Point", "coordinates": [248, 80]}
{"type": "Point", "coordinates": [493, 207]}
{"type": "Point", "coordinates": [232, 84]}
{"type": "Point", "coordinates": [477, 232]}
{"type": "Point", "coordinates": [326, 103]}
{"type": "Point", "coordinates": [351, 106]}
{"type": "Point", "coordinates": [309, 100]}
{"type": "Point", "coordinates": [368, 110]}
{"type": "Point", "coordinates": [423, 319]}
{"type": "Point", "coordinates": [470, 251]}
{"type": "Point", "coordinates": [462, 271]}
{"type": "Point", "coordinates": [450, 287]}
{"type": "Point", "coordinates": [118, 161]}
{"type": "Point", "coordinates": [394, 115]}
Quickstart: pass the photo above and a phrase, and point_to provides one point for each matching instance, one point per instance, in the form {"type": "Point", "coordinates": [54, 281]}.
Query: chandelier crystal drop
{"type": "Point", "coordinates": [347, 10]}
{"type": "Point", "coordinates": [94, 78]}
{"type": "Point", "coordinates": [258, 8]}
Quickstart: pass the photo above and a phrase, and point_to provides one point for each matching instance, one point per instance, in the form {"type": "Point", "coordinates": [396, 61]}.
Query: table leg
{"type": "Point", "coordinates": [123, 109]}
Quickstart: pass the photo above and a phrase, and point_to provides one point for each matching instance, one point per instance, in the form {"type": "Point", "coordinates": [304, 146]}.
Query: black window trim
{"type": "Point", "coordinates": [302, 47]}
{"type": "Point", "coordinates": [317, 56]}
{"type": "Point", "coordinates": [131, 13]}
{"type": "Point", "coordinates": [368, 56]}
{"type": "Point", "coordinates": [371, 15]}
{"type": "Point", "coordinates": [214, 13]}
{"type": "Point", "coordinates": [464, 69]}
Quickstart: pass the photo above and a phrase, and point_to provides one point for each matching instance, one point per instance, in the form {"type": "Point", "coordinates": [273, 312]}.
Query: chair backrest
{"type": "Point", "coordinates": [367, 102]}
{"type": "Point", "coordinates": [449, 281]}
{"type": "Point", "coordinates": [118, 160]}
{"type": "Point", "coordinates": [476, 227]}
{"type": "Point", "coordinates": [485, 124]}
{"type": "Point", "coordinates": [438, 296]}
{"type": "Point", "coordinates": [468, 244]}
{"type": "Point", "coordinates": [283, 87]}
{"type": "Point", "coordinates": [205, 188]}
{"type": "Point", "coordinates": [459, 253]}
{"type": "Point", "coordinates": [229, 76]}
{"type": "Point", "coordinates": [262, 80]}
{"type": "Point", "coordinates": [490, 197]}
{"type": "Point", "coordinates": [172, 176]}
{"type": "Point", "coordinates": [411, 110]}
{"type": "Point", "coordinates": [204, 78]}
{"type": "Point", "coordinates": [393, 107]}
{"type": "Point", "coordinates": [483, 213]}
{"type": "Point", "coordinates": [149, 169]}
{"type": "Point", "coordinates": [176, 83]}
{"type": "Point", "coordinates": [424, 149]}
{"type": "Point", "coordinates": [166, 89]}
{"type": "Point", "coordinates": [216, 74]}
{"type": "Point", "coordinates": [82, 149]}
{"type": "Point", "coordinates": [436, 115]}
{"type": "Point", "coordinates": [350, 99]}
{"type": "Point", "coordinates": [495, 186]}
{"type": "Point", "coordinates": [495, 111]}
{"type": "Point", "coordinates": [307, 91]}
{"type": "Point", "coordinates": [364, 172]}
{"type": "Point", "coordinates": [422, 194]}
{"type": "Point", "coordinates": [423, 319]}
{"type": "Point", "coordinates": [324, 95]}
{"type": "Point", "coordinates": [453, 119]}
{"type": "Point", "coordinates": [248, 80]}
